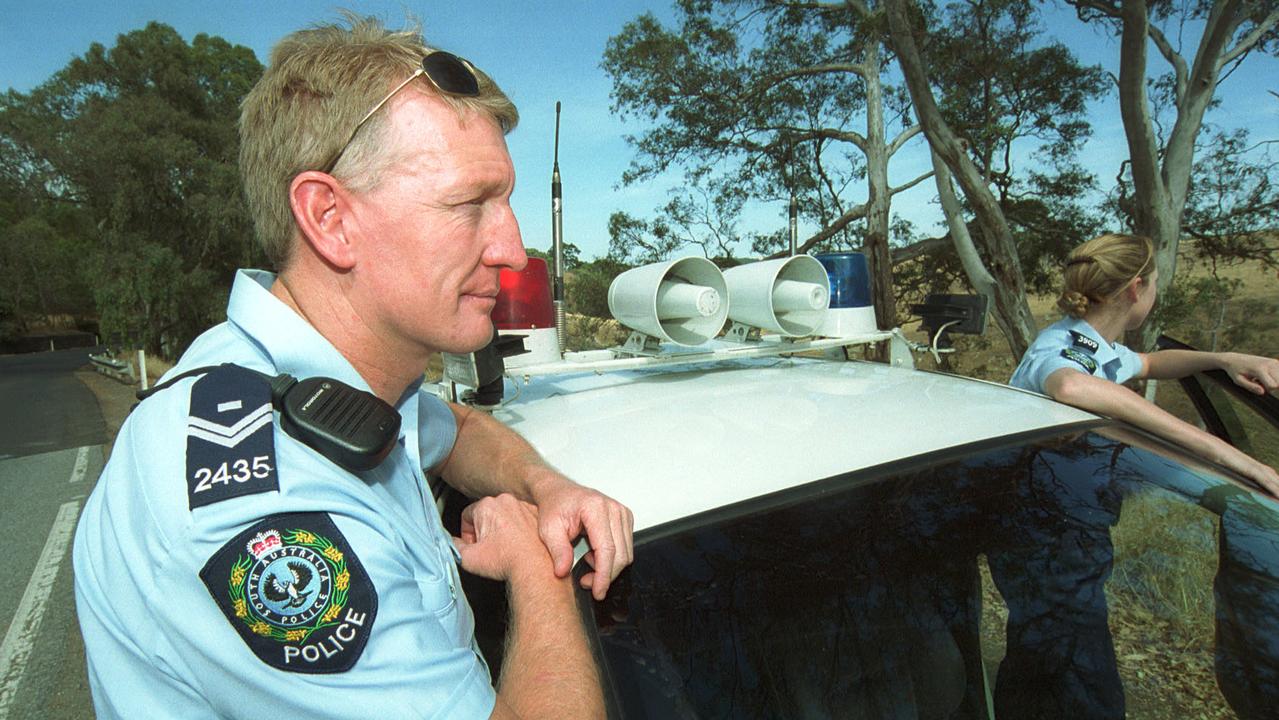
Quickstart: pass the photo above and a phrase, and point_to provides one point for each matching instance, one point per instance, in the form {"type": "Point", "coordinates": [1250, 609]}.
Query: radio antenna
{"type": "Point", "coordinates": [557, 239]}
{"type": "Point", "coordinates": [794, 204]}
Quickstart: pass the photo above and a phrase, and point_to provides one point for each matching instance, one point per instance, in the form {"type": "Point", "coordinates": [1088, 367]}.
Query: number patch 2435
{"type": "Point", "coordinates": [238, 471]}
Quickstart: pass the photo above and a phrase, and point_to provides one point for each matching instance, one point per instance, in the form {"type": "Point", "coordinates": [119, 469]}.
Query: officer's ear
{"type": "Point", "coordinates": [320, 206]}
{"type": "Point", "coordinates": [1132, 291]}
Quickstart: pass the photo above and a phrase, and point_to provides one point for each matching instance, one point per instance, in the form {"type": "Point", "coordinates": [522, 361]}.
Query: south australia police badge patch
{"type": "Point", "coordinates": [295, 592]}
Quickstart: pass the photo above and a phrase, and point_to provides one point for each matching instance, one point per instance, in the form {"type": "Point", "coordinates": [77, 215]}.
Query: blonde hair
{"type": "Point", "coordinates": [321, 82]}
{"type": "Point", "coordinates": [1100, 268]}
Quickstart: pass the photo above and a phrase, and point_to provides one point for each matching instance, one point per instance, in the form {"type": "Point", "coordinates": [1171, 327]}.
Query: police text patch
{"type": "Point", "coordinates": [1086, 360]}
{"type": "Point", "coordinates": [295, 592]}
{"type": "Point", "coordinates": [230, 437]}
{"type": "Point", "coordinates": [1084, 342]}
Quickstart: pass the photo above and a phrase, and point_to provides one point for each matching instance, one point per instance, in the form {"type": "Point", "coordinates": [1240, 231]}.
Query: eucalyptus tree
{"type": "Point", "coordinates": [1004, 111]}
{"type": "Point", "coordinates": [763, 100]}
{"type": "Point", "coordinates": [1161, 146]}
{"type": "Point", "coordinates": [140, 141]}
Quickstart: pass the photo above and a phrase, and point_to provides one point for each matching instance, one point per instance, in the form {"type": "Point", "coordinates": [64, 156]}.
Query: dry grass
{"type": "Point", "coordinates": [1161, 610]}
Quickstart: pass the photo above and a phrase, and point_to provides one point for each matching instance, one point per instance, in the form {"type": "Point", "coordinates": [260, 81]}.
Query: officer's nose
{"type": "Point", "coordinates": [505, 247]}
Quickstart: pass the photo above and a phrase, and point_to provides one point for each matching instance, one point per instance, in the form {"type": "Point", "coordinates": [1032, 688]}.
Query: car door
{"type": "Point", "coordinates": [1249, 422]}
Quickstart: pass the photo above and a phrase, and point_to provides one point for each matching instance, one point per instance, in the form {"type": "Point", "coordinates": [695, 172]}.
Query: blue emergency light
{"type": "Point", "coordinates": [851, 311]}
{"type": "Point", "coordinates": [849, 279]}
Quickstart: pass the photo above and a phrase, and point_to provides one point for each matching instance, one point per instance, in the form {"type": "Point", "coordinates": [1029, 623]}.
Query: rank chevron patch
{"type": "Point", "coordinates": [230, 449]}
{"type": "Point", "coordinates": [230, 435]}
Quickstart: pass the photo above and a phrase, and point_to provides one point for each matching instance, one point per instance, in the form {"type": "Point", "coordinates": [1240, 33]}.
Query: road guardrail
{"type": "Point", "coordinates": [118, 369]}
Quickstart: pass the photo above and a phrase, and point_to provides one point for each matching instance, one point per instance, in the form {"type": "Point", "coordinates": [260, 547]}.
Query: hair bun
{"type": "Point", "coordinates": [1073, 303]}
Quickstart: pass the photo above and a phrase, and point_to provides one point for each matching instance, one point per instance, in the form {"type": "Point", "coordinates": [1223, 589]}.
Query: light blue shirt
{"type": "Point", "coordinates": [1074, 344]}
{"type": "Point", "coordinates": [159, 644]}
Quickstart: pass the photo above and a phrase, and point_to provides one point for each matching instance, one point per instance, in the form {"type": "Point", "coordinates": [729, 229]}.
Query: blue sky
{"type": "Point", "coordinates": [541, 52]}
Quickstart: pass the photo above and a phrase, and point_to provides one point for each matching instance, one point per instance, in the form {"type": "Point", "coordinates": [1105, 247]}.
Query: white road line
{"type": "Point", "coordinates": [21, 637]}
{"type": "Point", "coordinates": [81, 464]}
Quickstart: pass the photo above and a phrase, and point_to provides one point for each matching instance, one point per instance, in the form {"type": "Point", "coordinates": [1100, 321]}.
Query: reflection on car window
{"type": "Point", "coordinates": [1077, 577]}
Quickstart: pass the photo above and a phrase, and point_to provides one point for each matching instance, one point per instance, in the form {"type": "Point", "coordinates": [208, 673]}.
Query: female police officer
{"type": "Point", "coordinates": [1109, 288]}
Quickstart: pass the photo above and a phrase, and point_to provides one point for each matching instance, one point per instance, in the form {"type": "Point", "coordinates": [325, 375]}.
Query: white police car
{"type": "Point", "coordinates": [824, 538]}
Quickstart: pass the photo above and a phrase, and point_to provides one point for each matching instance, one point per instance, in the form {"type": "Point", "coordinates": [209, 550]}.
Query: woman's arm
{"type": "Point", "coordinates": [1107, 398]}
{"type": "Point", "coordinates": [1253, 372]}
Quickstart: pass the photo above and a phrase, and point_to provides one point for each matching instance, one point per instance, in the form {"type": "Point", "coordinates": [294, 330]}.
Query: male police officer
{"type": "Point", "coordinates": [272, 582]}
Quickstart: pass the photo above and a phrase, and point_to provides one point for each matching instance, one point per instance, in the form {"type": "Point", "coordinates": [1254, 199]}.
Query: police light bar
{"type": "Point", "coordinates": [524, 300]}
{"type": "Point", "coordinates": [851, 311]}
{"type": "Point", "coordinates": [524, 308]}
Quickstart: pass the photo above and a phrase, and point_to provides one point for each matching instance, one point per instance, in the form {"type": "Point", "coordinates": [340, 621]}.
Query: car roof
{"type": "Point", "coordinates": [675, 442]}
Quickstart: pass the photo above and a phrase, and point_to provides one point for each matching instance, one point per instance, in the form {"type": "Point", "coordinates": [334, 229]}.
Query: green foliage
{"type": "Point", "coordinates": [572, 256]}
{"type": "Point", "coordinates": [638, 240]}
{"type": "Point", "coordinates": [586, 289]}
{"type": "Point", "coordinates": [1003, 84]}
{"type": "Point", "coordinates": [39, 271]}
{"type": "Point", "coordinates": [754, 100]}
{"type": "Point", "coordinates": [1233, 201]}
{"type": "Point", "coordinates": [1017, 99]}
{"type": "Point", "coordinates": [138, 143]}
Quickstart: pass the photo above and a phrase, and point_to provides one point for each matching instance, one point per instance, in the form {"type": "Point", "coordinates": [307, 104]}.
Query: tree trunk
{"type": "Point", "coordinates": [879, 197]}
{"type": "Point", "coordinates": [1160, 185]}
{"type": "Point", "coordinates": [1011, 310]}
{"type": "Point", "coordinates": [978, 276]}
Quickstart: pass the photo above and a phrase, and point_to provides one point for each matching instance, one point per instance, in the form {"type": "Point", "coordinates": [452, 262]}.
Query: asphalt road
{"type": "Point", "coordinates": [51, 452]}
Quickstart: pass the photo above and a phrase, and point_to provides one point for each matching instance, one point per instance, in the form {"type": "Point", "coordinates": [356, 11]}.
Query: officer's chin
{"type": "Point", "coordinates": [483, 335]}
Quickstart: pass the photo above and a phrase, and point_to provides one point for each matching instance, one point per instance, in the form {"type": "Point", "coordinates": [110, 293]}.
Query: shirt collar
{"type": "Point", "coordinates": [293, 345]}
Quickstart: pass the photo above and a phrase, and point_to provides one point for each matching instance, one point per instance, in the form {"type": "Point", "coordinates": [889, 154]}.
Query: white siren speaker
{"type": "Point", "coordinates": [682, 301]}
{"type": "Point", "coordinates": [788, 296]}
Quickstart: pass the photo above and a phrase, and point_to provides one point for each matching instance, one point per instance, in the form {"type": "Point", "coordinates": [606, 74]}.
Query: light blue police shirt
{"type": "Point", "coordinates": [349, 607]}
{"type": "Point", "coordinates": [1073, 343]}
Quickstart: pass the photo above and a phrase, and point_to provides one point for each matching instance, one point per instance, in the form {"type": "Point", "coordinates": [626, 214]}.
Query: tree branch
{"type": "Point", "coordinates": [770, 81]}
{"type": "Point", "coordinates": [856, 213]}
{"type": "Point", "coordinates": [1248, 41]}
{"type": "Point", "coordinates": [904, 137]}
{"type": "Point", "coordinates": [855, 5]}
{"type": "Point", "coordinates": [900, 188]}
{"type": "Point", "coordinates": [1180, 70]}
{"type": "Point", "coordinates": [802, 134]}
{"type": "Point", "coordinates": [1104, 8]}
{"type": "Point", "coordinates": [921, 247]}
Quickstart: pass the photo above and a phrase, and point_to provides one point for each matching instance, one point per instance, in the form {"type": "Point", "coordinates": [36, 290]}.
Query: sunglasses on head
{"type": "Point", "coordinates": [449, 74]}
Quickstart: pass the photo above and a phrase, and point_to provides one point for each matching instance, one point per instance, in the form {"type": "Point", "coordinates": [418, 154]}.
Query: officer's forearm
{"type": "Point", "coordinates": [548, 670]}
{"type": "Point", "coordinates": [489, 458]}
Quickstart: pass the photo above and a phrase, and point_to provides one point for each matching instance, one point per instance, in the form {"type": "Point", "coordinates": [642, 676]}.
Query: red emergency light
{"type": "Point", "coordinates": [524, 300]}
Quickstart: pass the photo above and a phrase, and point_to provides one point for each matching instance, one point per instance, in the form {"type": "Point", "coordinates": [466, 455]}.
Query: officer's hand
{"type": "Point", "coordinates": [499, 539]}
{"type": "Point", "coordinates": [565, 510]}
{"type": "Point", "coordinates": [1253, 372]}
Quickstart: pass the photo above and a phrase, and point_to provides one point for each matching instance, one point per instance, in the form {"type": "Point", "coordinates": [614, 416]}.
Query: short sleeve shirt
{"type": "Point", "coordinates": [1074, 344]}
{"type": "Point", "coordinates": [224, 569]}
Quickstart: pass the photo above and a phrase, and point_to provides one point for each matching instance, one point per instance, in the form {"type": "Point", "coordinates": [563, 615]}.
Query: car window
{"type": "Point", "coordinates": [1211, 400]}
{"type": "Point", "coordinates": [1250, 432]}
{"type": "Point", "coordinates": [1083, 575]}
{"type": "Point", "coordinates": [1226, 415]}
